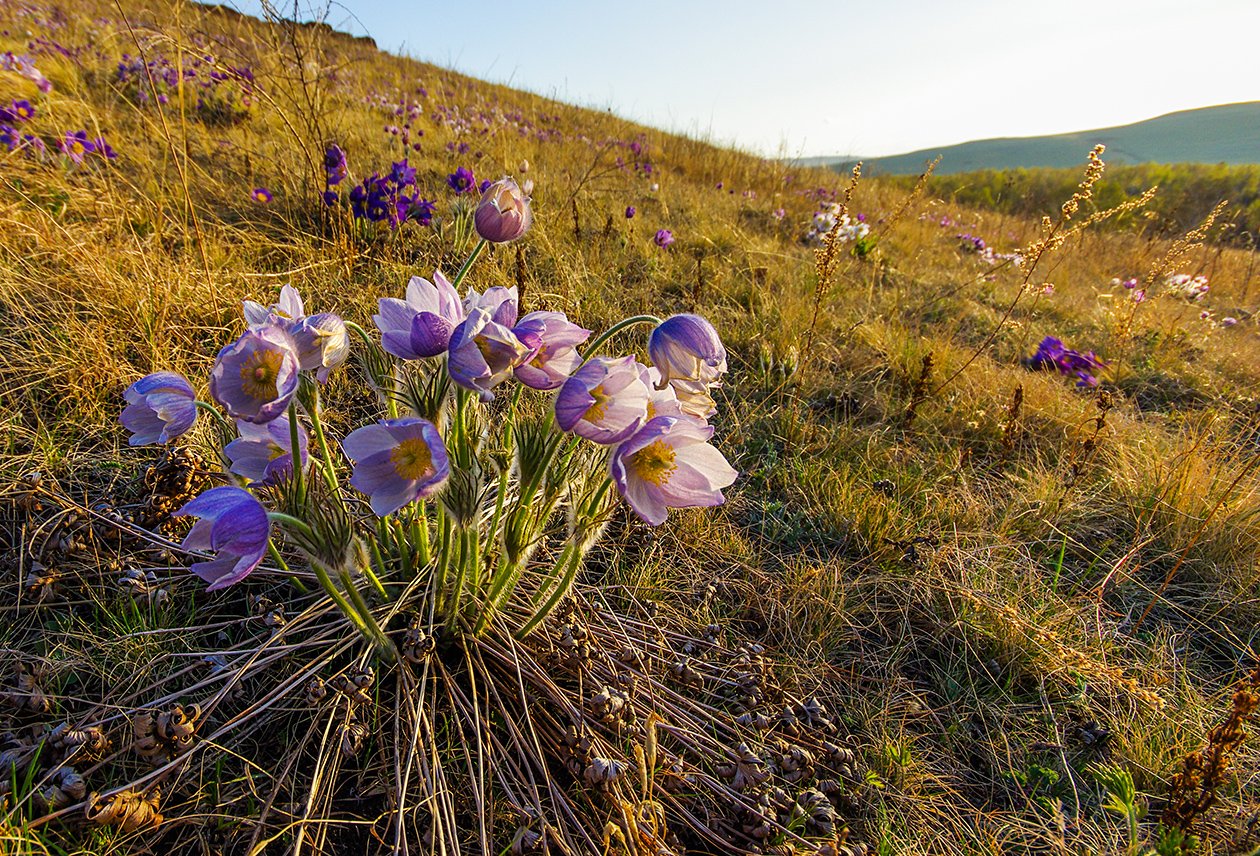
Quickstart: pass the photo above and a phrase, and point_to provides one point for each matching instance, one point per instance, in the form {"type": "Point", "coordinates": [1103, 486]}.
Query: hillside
{"type": "Point", "coordinates": [939, 534]}
{"type": "Point", "coordinates": [1225, 134]}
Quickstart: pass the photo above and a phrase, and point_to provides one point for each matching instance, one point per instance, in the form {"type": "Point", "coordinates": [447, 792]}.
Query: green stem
{"type": "Point", "coordinates": [420, 534]}
{"type": "Point", "coordinates": [338, 598]}
{"type": "Point", "coordinates": [284, 566]}
{"type": "Point", "coordinates": [292, 522]}
{"type": "Point", "coordinates": [330, 474]}
{"type": "Point", "coordinates": [228, 427]}
{"type": "Point", "coordinates": [573, 556]}
{"type": "Point", "coordinates": [593, 347]}
{"type": "Point", "coordinates": [299, 476]}
{"type": "Point", "coordinates": [374, 631]}
{"type": "Point", "coordinates": [468, 263]}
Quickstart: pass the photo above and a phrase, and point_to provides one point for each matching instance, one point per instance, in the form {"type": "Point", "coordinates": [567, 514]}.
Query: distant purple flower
{"type": "Point", "coordinates": [503, 214]}
{"type": "Point", "coordinates": [553, 339]}
{"type": "Point", "coordinates": [264, 453]}
{"type": "Point", "coordinates": [335, 164]}
{"type": "Point", "coordinates": [461, 180]}
{"type": "Point", "coordinates": [255, 377]}
{"type": "Point", "coordinates": [260, 195]}
{"type": "Point", "coordinates": [669, 463]}
{"type": "Point", "coordinates": [484, 186]}
{"type": "Point", "coordinates": [664, 238]}
{"type": "Point", "coordinates": [322, 343]}
{"type": "Point", "coordinates": [104, 149]}
{"type": "Point", "coordinates": [330, 197]}
{"type": "Point", "coordinates": [1228, 321]}
{"type": "Point", "coordinates": [483, 353]}
{"type": "Point", "coordinates": [160, 407]}
{"type": "Point", "coordinates": [1052, 354]}
{"type": "Point", "coordinates": [605, 401]}
{"type": "Point", "coordinates": [233, 523]}
{"type": "Point", "coordinates": [421, 211]}
{"type": "Point", "coordinates": [630, 212]}
{"type": "Point", "coordinates": [396, 462]}
{"type": "Point", "coordinates": [402, 175]}
{"type": "Point", "coordinates": [75, 145]}
{"type": "Point", "coordinates": [421, 325]}
{"type": "Point", "coordinates": [778, 213]}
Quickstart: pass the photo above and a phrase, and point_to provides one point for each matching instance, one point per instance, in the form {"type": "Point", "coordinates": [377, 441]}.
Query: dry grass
{"type": "Point", "coordinates": [964, 591]}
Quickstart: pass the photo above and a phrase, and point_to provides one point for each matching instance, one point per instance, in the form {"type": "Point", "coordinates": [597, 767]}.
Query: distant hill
{"type": "Point", "coordinates": [1229, 134]}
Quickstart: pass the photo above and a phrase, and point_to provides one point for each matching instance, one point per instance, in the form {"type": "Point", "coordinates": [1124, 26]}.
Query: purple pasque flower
{"type": "Point", "coordinates": [336, 167]}
{"type": "Point", "coordinates": [461, 180]}
{"type": "Point", "coordinates": [233, 523]}
{"type": "Point", "coordinates": [669, 463]}
{"type": "Point", "coordinates": [397, 461]}
{"type": "Point", "coordinates": [553, 339]}
{"type": "Point", "coordinates": [401, 174]}
{"type": "Point", "coordinates": [691, 358]}
{"type": "Point", "coordinates": [503, 214]}
{"type": "Point", "coordinates": [287, 309]}
{"type": "Point", "coordinates": [330, 197]}
{"type": "Point", "coordinates": [255, 377]}
{"type": "Point", "coordinates": [421, 325]}
{"type": "Point", "coordinates": [501, 302]}
{"type": "Point", "coordinates": [264, 453]}
{"type": "Point", "coordinates": [1052, 354]}
{"type": "Point", "coordinates": [322, 343]}
{"type": "Point", "coordinates": [483, 353]}
{"type": "Point", "coordinates": [605, 401]}
{"type": "Point", "coordinates": [662, 400]}
{"type": "Point", "coordinates": [75, 145]}
{"type": "Point", "coordinates": [160, 407]}
{"type": "Point", "coordinates": [663, 239]}
{"type": "Point", "coordinates": [630, 212]}
{"type": "Point", "coordinates": [21, 110]}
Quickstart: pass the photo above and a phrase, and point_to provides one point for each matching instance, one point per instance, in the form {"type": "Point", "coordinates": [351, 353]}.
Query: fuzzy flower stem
{"type": "Point", "coordinates": [566, 569]}
{"type": "Point", "coordinates": [284, 566]}
{"type": "Point", "coordinates": [299, 477]}
{"type": "Point", "coordinates": [593, 347]}
{"type": "Point", "coordinates": [375, 581]}
{"type": "Point", "coordinates": [290, 521]}
{"type": "Point", "coordinates": [372, 630]}
{"type": "Point", "coordinates": [330, 471]}
{"type": "Point", "coordinates": [420, 534]}
{"type": "Point", "coordinates": [468, 263]}
{"type": "Point", "coordinates": [228, 427]}
{"type": "Point", "coordinates": [338, 598]}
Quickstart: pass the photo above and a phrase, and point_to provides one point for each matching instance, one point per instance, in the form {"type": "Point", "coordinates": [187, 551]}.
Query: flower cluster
{"type": "Point", "coordinates": [440, 358]}
{"type": "Point", "coordinates": [214, 93]}
{"type": "Point", "coordinates": [833, 216]}
{"type": "Point", "coordinates": [25, 66]}
{"type": "Point", "coordinates": [11, 120]}
{"type": "Point", "coordinates": [77, 146]}
{"type": "Point", "coordinates": [1185, 286]}
{"type": "Point", "coordinates": [1052, 354]}
{"type": "Point", "coordinates": [975, 245]}
{"type": "Point", "coordinates": [390, 198]}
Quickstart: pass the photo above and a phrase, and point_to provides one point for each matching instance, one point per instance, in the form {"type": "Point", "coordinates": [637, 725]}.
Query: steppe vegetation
{"type": "Point", "coordinates": [986, 581]}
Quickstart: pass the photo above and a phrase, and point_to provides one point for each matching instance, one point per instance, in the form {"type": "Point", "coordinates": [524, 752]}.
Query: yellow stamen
{"type": "Point", "coordinates": [259, 373]}
{"type": "Point", "coordinates": [412, 459]}
{"type": "Point", "coordinates": [595, 412]}
{"type": "Point", "coordinates": [654, 463]}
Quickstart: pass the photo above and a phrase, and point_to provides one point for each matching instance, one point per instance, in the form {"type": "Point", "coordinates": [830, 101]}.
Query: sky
{"type": "Point", "coordinates": [837, 77]}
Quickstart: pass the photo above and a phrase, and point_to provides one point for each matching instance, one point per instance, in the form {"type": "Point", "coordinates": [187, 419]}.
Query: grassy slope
{"type": "Point", "coordinates": [964, 594]}
{"type": "Point", "coordinates": [1222, 134]}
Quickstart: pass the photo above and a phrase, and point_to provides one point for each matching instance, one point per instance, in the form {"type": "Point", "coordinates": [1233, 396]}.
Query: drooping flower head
{"type": "Point", "coordinates": [664, 238]}
{"type": "Point", "coordinates": [261, 195]}
{"type": "Point", "coordinates": [502, 304]}
{"type": "Point", "coordinates": [255, 377]}
{"type": "Point", "coordinates": [630, 212]}
{"type": "Point", "coordinates": [160, 407]}
{"type": "Point", "coordinates": [263, 453]}
{"type": "Point", "coordinates": [690, 357]}
{"type": "Point", "coordinates": [605, 401]}
{"type": "Point", "coordinates": [669, 463]}
{"type": "Point", "coordinates": [233, 523]}
{"type": "Point", "coordinates": [421, 325]}
{"type": "Point", "coordinates": [322, 343]}
{"type": "Point", "coordinates": [287, 309]}
{"type": "Point", "coordinates": [461, 180]}
{"type": "Point", "coordinates": [483, 353]}
{"type": "Point", "coordinates": [397, 461]}
{"type": "Point", "coordinates": [335, 165]}
{"type": "Point", "coordinates": [503, 214]}
{"type": "Point", "coordinates": [553, 339]}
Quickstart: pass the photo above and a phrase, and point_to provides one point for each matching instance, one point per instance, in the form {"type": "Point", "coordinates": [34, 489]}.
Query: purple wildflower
{"type": "Point", "coordinates": [255, 377]}
{"type": "Point", "coordinates": [503, 214]}
{"type": "Point", "coordinates": [461, 180]}
{"type": "Point", "coordinates": [691, 358]}
{"type": "Point", "coordinates": [483, 352]}
{"type": "Point", "coordinates": [605, 401]}
{"type": "Point", "coordinates": [553, 339]}
{"type": "Point", "coordinates": [335, 165]}
{"type": "Point", "coordinates": [421, 325]}
{"type": "Point", "coordinates": [664, 238]}
{"type": "Point", "coordinates": [322, 343]}
{"type": "Point", "coordinates": [160, 407]}
{"type": "Point", "coordinates": [630, 212]}
{"type": "Point", "coordinates": [287, 309]}
{"type": "Point", "coordinates": [669, 463]}
{"type": "Point", "coordinates": [396, 462]}
{"type": "Point", "coordinates": [75, 145]}
{"type": "Point", "coordinates": [233, 523]}
{"type": "Point", "coordinates": [260, 195]}
{"type": "Point", "coordinates": [264, 453]}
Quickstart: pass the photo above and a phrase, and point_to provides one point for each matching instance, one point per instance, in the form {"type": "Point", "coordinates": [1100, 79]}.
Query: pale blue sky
{"type": "Point", "coordinates": [836, 76]}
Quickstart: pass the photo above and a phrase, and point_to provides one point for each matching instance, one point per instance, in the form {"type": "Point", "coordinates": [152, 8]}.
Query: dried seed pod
{"type": "Point", "coordinates": [41, 582]}
{"type": "Point", "coordinates": [525, 841]}
{"type": "Point", "coordinates": [418, 644]}
{"type": "Point", "coordinates": [753, 719]}
{"type": "Point", "coordinates": [796, 763]}
{"type": "Point", "coordinates": [27, 694]}
{"type": "Point", "coordinates": [130, 810]}
{"type": "Point", "coordinates": [315, 691]}
{"type": "Point", "coordinates": [353, 733]}
{"type": "Point", "coordinates": [16, 755]}
{"type": "Point", "coordinates": [602, 772]}
{"type": "Point", "coordinates": [348, 685]}
{"type": "Point", "coordinates": [683, 672]}
{"type": "Point", "coordinates": [67, 787]}
{"type": "Point", "coordinates": [165, 734]}
{"type": "Point", "coordinates": [840, 760]}
{"type": "Point", "coordinates": [89, 743]}
{"type": "Point", "coordinates": [611, 707]}
{"type": "Point", "coordinates": [820, 814]}
{"type": "Point", "coordinates": [747, 771]}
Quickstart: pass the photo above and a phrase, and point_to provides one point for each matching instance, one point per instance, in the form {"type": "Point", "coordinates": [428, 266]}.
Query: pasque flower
{"type": "Point", "coordinates": [664, 238]}
{"type": "Point", "coordinates": [421, 325]}
{"type": "Point", "coordinates": [669, 463]}
{"type": "Point", "coordinates": [287, 308]}
{"type": "Point", "coordinates": [483, 352]}
{"type": "Point", "coordinates": [322, 343]}
{"type": "Point", "coordinates": [261, 195]}
{"type": "Point", "coordinates": [255, 377]}
{"type": "Point", "coordinates": [690, 357]}
{"type": "Point", "coordinates": [233, 523]}
{"type": "Point", "coordinates": [605, 401]}
{"type": "Point", "coordinates": [397, 461]}
{"type": "Point", "coordinates": [553, 339]}
{"type": "Point", "coordinates": [160, 407]}
{"type": "Point", "coordinates": [503, 214]}
{"type": "Point", "coordinates": [335, 165]}
{"type": "Point", "coordinates": [502, 304]}
{"type": "Point", "coordinates": [263, 453]}
{"type": "Point", "coordinates": [461, 180]}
